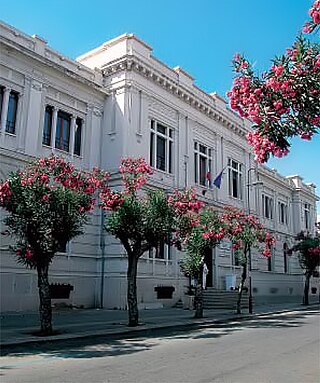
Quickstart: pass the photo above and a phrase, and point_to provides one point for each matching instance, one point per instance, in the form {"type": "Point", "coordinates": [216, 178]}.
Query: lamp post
{"type": "Point", "coordinates": [249, 252]}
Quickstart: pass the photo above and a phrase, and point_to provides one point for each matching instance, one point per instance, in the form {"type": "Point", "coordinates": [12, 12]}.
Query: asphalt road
{"type": "Point", "coordinates": [275, 348]}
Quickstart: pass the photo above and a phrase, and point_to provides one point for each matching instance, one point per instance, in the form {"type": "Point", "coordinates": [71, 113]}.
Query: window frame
{"type": "Point", "coordinates": [78, 136]}
{"type": "Point", "coordinates": [47, 125]}
{"type": "Point", "coordinates": [267, 206]}
{"type": "Point", "coordinates": [160, 132]}
{"type": "Point", "coordinates": [2, 88]}
{"type": "Point", "coordinates": [10, 126]}
{"type": "Point", "coordinates": [283, 213]}
{"type": "Point", "coordinates": [235, 179]}
{"type": "Point", "coordinates": [271, 259]}
{"type": "Point", "coordinates": [162, 253]}
{"type": "Point", "coordinates": [285, 258]}
{"type": "Point", "coordinates": [63, 116]}
{"type": "Point", "coordinates": [202, 155]}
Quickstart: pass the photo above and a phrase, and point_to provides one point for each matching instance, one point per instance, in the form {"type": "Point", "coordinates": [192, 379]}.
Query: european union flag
{"type": "Point", "coordinates": [218, 179]}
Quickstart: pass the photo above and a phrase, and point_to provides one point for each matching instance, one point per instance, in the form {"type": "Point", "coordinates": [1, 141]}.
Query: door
{"type": "Point", "coordinates": [208, 261]}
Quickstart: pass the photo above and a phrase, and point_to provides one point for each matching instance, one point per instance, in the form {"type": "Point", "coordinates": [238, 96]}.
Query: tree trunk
{"type": "Point", "coordinates": [198, 297]}
{"type": "Point", "coordinates": [243, 279]}
{"type": "Point", "coordinates": [45, 300]}
{"type": "Point", "coordinates": [132, 290]}
{"type": "Point", "coordinates": [306, 288]}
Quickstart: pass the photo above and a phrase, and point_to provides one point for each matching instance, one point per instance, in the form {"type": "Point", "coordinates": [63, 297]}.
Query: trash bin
{"type": "Point", "coordinates": [230, 281]}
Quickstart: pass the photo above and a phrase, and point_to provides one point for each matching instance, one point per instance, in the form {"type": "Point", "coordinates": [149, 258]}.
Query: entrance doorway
{"type": "Point", "coordinates": [208, 261]}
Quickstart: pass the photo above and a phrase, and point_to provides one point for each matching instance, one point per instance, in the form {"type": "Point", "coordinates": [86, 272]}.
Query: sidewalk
{"type": "Point", "coordinates": [17, 328]}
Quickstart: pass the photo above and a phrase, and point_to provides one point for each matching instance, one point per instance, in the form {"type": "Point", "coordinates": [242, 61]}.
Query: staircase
{"type": "Point", "coordinates": [214, 299]}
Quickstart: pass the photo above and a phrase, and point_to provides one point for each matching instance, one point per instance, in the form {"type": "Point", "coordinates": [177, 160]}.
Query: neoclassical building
{"type": "Point", "coordinates": [119, 100]}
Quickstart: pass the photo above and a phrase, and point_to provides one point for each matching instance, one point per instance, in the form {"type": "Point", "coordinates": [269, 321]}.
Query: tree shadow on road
{"type": "Point", "coordinates": [100, 346]}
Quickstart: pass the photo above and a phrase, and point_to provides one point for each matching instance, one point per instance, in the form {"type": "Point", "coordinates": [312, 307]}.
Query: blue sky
{"type": "Point", "coordinates": [199, 36]}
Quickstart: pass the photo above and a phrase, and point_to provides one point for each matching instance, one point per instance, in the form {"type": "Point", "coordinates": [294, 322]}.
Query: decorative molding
{"type": "Point", "coordinates": [156, 108]}
{"type": "Point", "coordinates": [25, 45]}
{"type": "Point", "coordinates": [209, 108]}
{"type": "Point", "coordinates": [36, 85]}
{"type": "Point", "coordinates": [97, 111]}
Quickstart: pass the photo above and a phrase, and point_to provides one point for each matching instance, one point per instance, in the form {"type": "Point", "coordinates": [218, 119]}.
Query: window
{"type": "Point", "coordinates": [271, 259]}
{"type": "Point", "coordinates": [160, 251]}
{"type": "Point", "coordinates": [12, 112]}
{"type": "Point", "coordinates": [267, 206]}
{"type": "Point", "coordinates": [77, 137]}
{"type": "Point", "coordinates": [236, 259]}
{"type": "Point", "coordinates": [285, 258]}
{"type": "Point", "coordinates": [1, 99]}
{"type": "Point", "coordinates": [163, 251]}
{"type": "Point", "coordinates": [161, 146]}
{"type": "Point", "coordinates": [62, 247]}
{"type": "Point", "coordinates": [283, 213]}
{"type": "Point", "coordinates": [47, 126]}
{"type": "Point", "coordinates": [307, 222]}
{"type": "Point", "coordinates": [235, 179]}
{"type": "Point", "coordinates": [202, 164]}
{"type": "Point", "coordinates": [63, 131]}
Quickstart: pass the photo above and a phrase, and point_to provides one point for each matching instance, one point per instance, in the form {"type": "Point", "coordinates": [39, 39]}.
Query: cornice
{"type": "Point", "coordinates": [277, 178]}
{"type": "Point", "coordinates": [210, 109]}
{"type": "Point", "coordinates": [47, 61]}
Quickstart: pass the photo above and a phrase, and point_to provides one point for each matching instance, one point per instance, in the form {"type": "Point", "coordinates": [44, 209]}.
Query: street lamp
{"type": "Point", "coordinates": [249, 254]}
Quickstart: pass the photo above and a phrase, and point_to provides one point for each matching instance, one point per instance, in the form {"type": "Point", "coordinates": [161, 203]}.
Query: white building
{"type": "Point", "coordinates": [119, 100]}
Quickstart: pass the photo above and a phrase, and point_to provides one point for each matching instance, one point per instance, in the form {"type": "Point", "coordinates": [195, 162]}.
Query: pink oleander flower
{"type": "Point", "coordinates": [29, 254]}
{"type": "Point", "coordinates": [5, 193]}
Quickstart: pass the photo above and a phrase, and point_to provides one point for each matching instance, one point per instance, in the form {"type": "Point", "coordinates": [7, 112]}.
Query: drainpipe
{"type": "Point", "coordinates": [102, 217]}
{"type": "Point", "coordinates": [102, 249]}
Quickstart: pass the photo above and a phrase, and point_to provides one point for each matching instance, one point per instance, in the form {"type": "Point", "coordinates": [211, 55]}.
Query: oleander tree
{"type": "Point", "coordinates": [47, 204]}
{"type": "Point", "coordinates": [283, 102]}
{"type": "Point", "coordinates": [207, 231]}
{"type": "Point", "coordinates": [308, 249]}
{"type": "Point", "coordinates": [143, 219]}
{"type": "Point", "coordinates": [245, 232]}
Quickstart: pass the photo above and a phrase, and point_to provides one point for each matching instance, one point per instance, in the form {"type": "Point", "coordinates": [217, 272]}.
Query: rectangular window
{"type": "Point", "coordinates": [283, 213]}
{"type": "Point", "coordinates": [270, 263]}
{"type": "Point", "coordinates": [307, 220]}
{"type": "Point", "coordinates": [1, 99]}
{"type": "Point", "coordinates": [267, 206]}
{"type": "Point", "coordinates": [12, 112]}
{"type": "Point", "coordinates": [161, 153]}
{"type": "Point", "coordinates": [202, 164]}
{"type": "Point", "coordinates": [235, 258]}
{"type": "Point", "coordinates": [285, 258]}
{"type": "Point", "coordinates": [160, 251]}
{"type": "Point", "coordinates": [235, 179]}
{"type": "Point", "coordinates": [161, 147]}
{"type": "Point", "coordinates": [47, 125]}
{"type": "Point", "coordinates": [271, 259]}
{"type": "Point", "coordinates": [63, 131]}
{"type": "Point", "coordinates": [77, 137]}
{"type": "Point", "coordinates": [163, 251]}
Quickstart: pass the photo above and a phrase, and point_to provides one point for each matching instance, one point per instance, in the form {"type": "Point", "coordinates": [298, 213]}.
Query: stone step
{"type": "Point", "coordinates": [220, 299]}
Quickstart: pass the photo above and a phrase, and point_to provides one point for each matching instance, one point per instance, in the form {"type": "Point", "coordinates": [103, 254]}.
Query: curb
{"type": "Point", "coordinates": [120, 333]}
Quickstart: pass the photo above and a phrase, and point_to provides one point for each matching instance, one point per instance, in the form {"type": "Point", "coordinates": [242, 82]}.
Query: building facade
{"type": "Point", "coordinates": [117, 101]}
